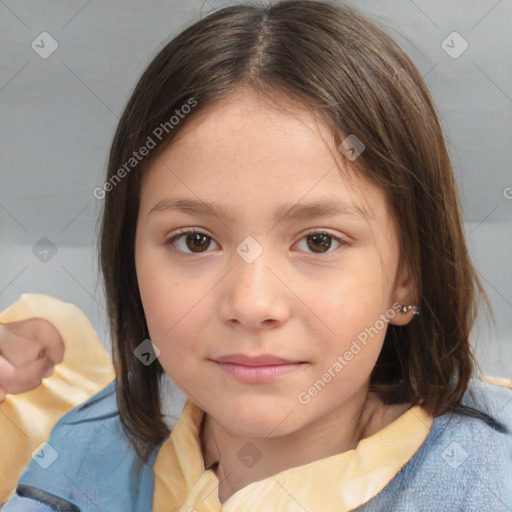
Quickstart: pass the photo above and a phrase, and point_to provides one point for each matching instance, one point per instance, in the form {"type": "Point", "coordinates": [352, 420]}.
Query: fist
{"type": "Point", "coordinates": [29, 349]}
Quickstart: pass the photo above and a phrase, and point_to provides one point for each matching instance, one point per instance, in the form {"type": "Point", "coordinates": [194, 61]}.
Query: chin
{"type": "Point", "coordinates": [258, 424]}
{"type": "Point", "coordinates": [257, 431]}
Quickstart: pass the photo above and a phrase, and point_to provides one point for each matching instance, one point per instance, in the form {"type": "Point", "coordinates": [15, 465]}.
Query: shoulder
{"type": "Point", "coordinates": [99, 408]}
{"type": "Point", "coordinates": [489, 450]}
{"type": "Point", "coordinates": [491, 397]}
{"type": "Point", "coordinates": [87, 460]}
{"type": "Point", "coordinates": [468, 460]}
{"type": "Point", "coordinates": [464, 464]}
{"type": "Point", "coordinates": [488, 438]}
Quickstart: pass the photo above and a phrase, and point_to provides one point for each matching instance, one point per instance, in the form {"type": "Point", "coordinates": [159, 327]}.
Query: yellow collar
{"type": "Point", "coordinates": [341, 482]}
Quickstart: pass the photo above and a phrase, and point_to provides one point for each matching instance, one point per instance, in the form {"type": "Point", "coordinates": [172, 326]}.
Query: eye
{"type": "Point", "coordinates": [196, 241]}
{"type": "Point", "coordinates": [320, 241]}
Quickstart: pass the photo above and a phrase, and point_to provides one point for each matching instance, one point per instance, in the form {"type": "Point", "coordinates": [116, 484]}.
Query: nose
{"type": "Point", "coordinates": [254, 295]}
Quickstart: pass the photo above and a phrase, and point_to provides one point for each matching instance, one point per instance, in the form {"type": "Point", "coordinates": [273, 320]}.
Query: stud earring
{"type": "Point", "coordinates": [406, 309]}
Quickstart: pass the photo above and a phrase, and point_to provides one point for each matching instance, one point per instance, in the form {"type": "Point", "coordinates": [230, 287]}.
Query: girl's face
{"type": "Point", "coordinates": [262, 272]}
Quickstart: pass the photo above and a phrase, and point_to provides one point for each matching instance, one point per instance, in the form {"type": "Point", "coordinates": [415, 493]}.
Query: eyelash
{"type": "Point", "coordinates": [185, 231]}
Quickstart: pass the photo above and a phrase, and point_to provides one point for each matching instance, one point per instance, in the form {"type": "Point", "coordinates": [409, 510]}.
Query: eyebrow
{"type": "Point", "coordinates": [292, 211]}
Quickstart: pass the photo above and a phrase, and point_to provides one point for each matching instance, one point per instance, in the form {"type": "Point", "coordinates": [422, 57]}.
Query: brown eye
{"type": "Point", "coordinates": [197, 241]}
{"type": "Point", "coordinates": [191, 242]}
{"type": "Point", "coordinates": [320, 242]}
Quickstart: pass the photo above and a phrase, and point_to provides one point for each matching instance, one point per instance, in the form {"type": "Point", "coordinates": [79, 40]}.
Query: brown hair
{"type": "Point", "coordinates": [336, 62]}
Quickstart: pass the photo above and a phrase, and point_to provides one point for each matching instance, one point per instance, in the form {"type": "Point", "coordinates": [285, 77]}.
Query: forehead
{"type": "Point", "coordinates": [247, 122]}
{"type": "Point", "coordinates": [245, 147]}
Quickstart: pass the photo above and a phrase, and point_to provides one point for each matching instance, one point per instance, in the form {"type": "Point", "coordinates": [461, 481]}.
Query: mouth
{"type": "Point", "coordinates": [256, 369]}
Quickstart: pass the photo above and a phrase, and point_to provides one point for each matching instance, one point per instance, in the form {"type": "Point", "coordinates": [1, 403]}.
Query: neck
{"type": "Point", "coordinates": [234, 458]}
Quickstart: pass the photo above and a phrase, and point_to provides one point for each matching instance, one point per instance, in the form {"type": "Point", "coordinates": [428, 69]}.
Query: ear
{"type": "Point", "coordinates": [403, 295]}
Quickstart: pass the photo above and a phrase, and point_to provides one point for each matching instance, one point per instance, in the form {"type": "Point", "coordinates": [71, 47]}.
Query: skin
{"type": "Point", "coordinates": [29, 349]}
{"type": "Point", "coordinates": [202, 300]}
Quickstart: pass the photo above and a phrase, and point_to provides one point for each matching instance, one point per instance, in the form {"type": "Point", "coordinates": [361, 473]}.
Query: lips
{"type": "Point", "coordinates": [261, 369]}
{"type": "Point", "coordinates": [261, 360]}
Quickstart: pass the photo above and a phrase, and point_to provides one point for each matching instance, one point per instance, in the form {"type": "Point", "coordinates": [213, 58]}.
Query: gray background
{"type": "Point", "coordinates": [58, 116]}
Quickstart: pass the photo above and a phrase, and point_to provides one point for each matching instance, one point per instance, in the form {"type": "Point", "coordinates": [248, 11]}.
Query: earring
{"type": "Point", "coordinates": [406, 309]}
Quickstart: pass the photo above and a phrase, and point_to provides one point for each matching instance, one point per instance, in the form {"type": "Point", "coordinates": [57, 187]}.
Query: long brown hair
{"type": "Point", "coordinates": [333, 60]}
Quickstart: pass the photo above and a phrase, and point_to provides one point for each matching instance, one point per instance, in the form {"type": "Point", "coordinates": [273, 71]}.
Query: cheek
{"type": "Point", "coordinates": [161, 289]}
{"type": "Point", "coordinates": [174, 310]}
{"type": "Point", "coordinates": [168, 307]}
{"type": "Point", "coordinates": [348, 319]}
{"type": "Point", "coordinates": [349, 301]}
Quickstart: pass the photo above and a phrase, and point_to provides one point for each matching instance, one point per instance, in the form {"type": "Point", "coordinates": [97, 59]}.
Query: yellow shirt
{"type": "Point", "coordinates": [180, 476]}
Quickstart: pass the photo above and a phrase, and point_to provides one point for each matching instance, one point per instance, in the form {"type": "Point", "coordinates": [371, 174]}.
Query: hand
{"type": "Point", "coordinates": [29, 349]}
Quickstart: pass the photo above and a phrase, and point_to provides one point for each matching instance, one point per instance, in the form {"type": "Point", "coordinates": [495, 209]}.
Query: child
{"type": "Point", "coordinates": [281, 221]}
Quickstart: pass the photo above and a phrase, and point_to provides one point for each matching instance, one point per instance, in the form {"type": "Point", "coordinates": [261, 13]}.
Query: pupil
{"type": "Point", "coordinates": [196, 238]}
{"type": "Point", "coordinates": [319, 238]}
